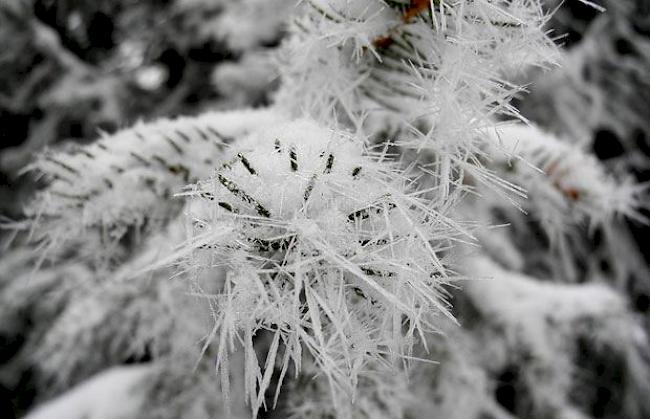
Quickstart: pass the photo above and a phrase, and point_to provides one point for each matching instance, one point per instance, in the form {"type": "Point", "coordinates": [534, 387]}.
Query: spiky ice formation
{"type": "Point", "coordinates": [326, 247]}
{"type": "Point", "coordinates": [382, 393]}
{"type": "Point", "coordinates": [432, 61]}
{"type": "Point", "coordinates": [432, 74]}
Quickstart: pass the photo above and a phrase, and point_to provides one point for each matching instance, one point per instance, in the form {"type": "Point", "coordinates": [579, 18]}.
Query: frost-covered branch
{"type": "Point", "coordinates": [123, 183]}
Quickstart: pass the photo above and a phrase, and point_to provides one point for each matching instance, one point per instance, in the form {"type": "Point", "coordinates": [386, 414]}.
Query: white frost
{"type": "Point", "coordinates": [108, 395]}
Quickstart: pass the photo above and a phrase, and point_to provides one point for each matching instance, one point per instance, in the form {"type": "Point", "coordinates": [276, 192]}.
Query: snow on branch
{"type": "Point", "coordinates": [555, 327]}
{"type": "Point", "coordinates": [113, 394]}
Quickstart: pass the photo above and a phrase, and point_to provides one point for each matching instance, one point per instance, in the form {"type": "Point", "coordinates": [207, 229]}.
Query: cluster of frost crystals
{"type": "Point", "coordinates": [325, 247]}
{"type": "Point", "coordinates": [383, 394]}
{"type": "Point", "coordinates": [434, 71]}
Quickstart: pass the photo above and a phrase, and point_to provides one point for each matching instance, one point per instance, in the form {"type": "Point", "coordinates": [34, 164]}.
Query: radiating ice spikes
{"type": "Point", "coordinates": [124, 182]}
{"type": "Point", "coordinates": [409, 61]}
{"type": "Point", "coordinates": [382, 393]}
{"type": "Point", "coordinates": [327, 250]}
{"type": "Point", "coordinates": [434, 72]}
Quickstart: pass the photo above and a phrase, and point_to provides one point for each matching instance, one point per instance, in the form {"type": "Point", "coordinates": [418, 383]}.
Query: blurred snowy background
{"type": "Point", "coordinates": [559, 339]}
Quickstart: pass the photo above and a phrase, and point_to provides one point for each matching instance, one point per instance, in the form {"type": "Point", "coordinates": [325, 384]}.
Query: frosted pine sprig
{"type": "Point", "coordinates": [436, 73]}
{"type": "Point", "coordinates": [326, 248]}
{"type": "Point", "coordinates": [565, 184]}
{"type": "Point", "coordinates": [569, 194]}
{"type": "Point", "coordinates": [123, 183]}
{"type": "Point", "coordinates": [118, 321]}
{"type": "Point", "coordinates": [412, 60]}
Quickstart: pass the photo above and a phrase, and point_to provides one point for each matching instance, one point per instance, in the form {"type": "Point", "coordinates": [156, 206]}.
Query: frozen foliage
{"type": "Point", "coordinates": [549, 325]}
{"type": "Point", "coordinates": [598, 100]}
{"type": "Point", "coordinates": [306, 257]}
{"type": "Point", "coordinates": [534, 347]}
{"type": "Point", "coordinates": [560, 178]}
{"type": "Point", "coordinates": [135, 172]}
{"type": "Point", "coordinates": [383, 393]}
{"type": "Point", "coordinates": [115, 322]}
{"type": "Point", "coordinates": [435, 72]}
{"type": "Point", "coordinates": [389, 56]}
{"type": "Point", "coordinates": [325, 247]}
